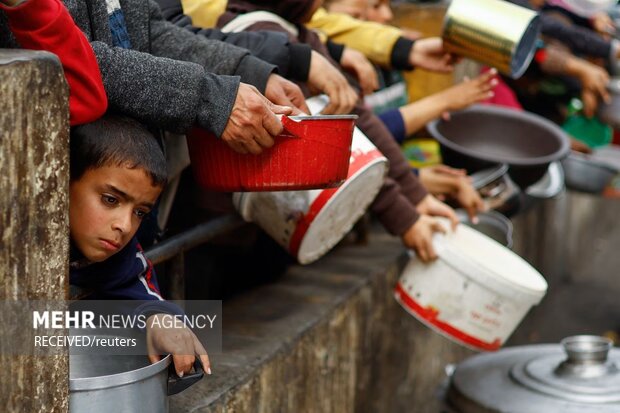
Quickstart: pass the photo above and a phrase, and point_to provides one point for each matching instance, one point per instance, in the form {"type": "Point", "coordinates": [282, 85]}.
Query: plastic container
{"type": "Point", "coordinates": [309, 223]}
{"type": "Point", "coordinates": [475, 293]}
{"type": "Point", "coordinates": [313, 152]}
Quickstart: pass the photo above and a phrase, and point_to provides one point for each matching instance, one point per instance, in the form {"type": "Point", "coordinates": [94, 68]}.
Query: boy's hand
{"type": "Point", "coordinates": [430, 205]}
{"type": "Point", "coordinates": [429, 54]}
{"type": "Point", "coordinates": [326, 78]}
{"type": "Point", "coordinates": [286, 93]}
{"type": "Point", "coordinates": [470, 91]}
{"type": "Point", "coordinates": [470, 199]}
{"type": "Point", "coordinates": [356, 63]}
{"type": "Point", "coordinates": [253, 123]}
{"type": "Point", "coordinates": [180, 342]}
{"type": "Point", "coordinates": [420, 236]}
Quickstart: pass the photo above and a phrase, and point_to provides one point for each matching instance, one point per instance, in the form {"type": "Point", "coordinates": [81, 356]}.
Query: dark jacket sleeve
{"type": "Point", "coordinates": [166, 93]}
{"type": "Point", "coordinates": [292, 60]}
{"type": "Point", "coordinates": [579, 39]}
{"type": "Point", "coordinates": [168, 40]}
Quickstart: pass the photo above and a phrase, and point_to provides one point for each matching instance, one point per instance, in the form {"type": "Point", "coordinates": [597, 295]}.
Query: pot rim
{"type": "Point", "coordinates": [493, 218]}
{"type": "Point", "coordinates": [119, 379]}
{"type": "Point", "coordinates": [539, 121]}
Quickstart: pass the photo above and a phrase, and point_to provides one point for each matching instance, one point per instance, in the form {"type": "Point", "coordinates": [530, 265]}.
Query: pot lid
{"type": "Point", "coordinates": [581, 375]}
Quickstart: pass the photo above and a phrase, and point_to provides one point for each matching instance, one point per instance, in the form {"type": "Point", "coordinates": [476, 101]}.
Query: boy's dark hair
{"type": "Point", "coordinates": [116, 141]}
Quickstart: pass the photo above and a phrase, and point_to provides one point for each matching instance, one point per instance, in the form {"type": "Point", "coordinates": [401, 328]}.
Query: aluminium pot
{"type": "Point", "coordinates": [101, 383]}
{"type": "Point", "coordinates": [492, 224]}
{"type": "Point", "coordinates": [585, 174]}
{"type": "Point", "coordinates": [579, 376]}
{"type": "Point", "coordinates": [609, 113]}
{"type": "Point", "coordinates": [482, 136]}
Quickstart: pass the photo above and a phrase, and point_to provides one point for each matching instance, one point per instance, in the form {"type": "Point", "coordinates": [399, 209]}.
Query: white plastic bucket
{"type": "Point", "coordinates": [475, 294]}
{"type": "Point", "coordinates": [309, 223]}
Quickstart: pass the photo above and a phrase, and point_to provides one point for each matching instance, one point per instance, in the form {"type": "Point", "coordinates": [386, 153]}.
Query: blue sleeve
{"type": "Point", "coordinates": [394, 121]}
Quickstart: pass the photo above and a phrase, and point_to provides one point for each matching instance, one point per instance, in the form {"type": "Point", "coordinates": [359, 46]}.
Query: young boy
{"type": "Point", "coordinates": [117, 172]}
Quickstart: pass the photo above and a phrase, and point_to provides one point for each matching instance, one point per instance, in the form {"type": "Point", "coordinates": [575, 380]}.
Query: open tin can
{"type": "Point", "coordinates": [493, 32]}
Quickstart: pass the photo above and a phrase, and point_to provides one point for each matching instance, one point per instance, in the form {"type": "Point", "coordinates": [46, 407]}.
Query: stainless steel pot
{"type": "Point", "coordinates": [580, 376]}
{"type": "Point", "coordinates": [127, 384]}
{"type": "Point", "coordinates": [610, 112]}
{"type": "Point", "coordinates": [490, 223]}
{"type": "Point", "coordinates": [587, 175]}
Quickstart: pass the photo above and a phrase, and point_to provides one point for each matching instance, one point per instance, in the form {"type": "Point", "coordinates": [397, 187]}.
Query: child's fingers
{"type": "Point", "coordinates": [154, 358]}
{"type": "Point", "coordinates": [182, 363]}
{"type": "Point", "coordinates": [202, 353]}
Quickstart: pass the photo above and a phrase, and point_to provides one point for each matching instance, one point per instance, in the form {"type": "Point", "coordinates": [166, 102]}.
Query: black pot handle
{"type": "Point", "coordinates": [177, 384]}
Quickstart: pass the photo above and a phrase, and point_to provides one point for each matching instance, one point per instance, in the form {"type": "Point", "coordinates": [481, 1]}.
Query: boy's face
{"type": "Point", "coordinates": [380, 11]}
{"type": "Point", "coordinates": [354, 8]}
{"type": "Point", "coordinates": [106, 208]}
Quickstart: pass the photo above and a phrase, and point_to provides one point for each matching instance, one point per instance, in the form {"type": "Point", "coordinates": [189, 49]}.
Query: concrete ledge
{"type": "Point", "coordinates": [328, 337]}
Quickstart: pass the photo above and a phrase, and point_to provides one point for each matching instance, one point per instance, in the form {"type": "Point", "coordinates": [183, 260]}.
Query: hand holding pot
{"type": "Point", "coordinates": [419, 237]}
{"type": "Point", "coordinates": [179, 341]}
{"type": "Point", "coordinates": [430, 205]}
{"type": "Point", "coordinates": [286, 93]}
{"type": "Point", "coordinates": [429, 54]}
{"type": "Point", "coordinates": [253, 123]}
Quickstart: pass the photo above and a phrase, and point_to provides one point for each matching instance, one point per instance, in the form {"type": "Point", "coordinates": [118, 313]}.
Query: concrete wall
{"type": "Point", "coordinates": [326, 338]}
{"type": "Point", "coordinates": [34, 177]}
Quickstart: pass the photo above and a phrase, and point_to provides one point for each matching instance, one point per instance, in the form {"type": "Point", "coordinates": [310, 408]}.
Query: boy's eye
{"type": "Point", "coordinates": [109, 199]}
{"type": "Point", "coordinates": [140, 213]}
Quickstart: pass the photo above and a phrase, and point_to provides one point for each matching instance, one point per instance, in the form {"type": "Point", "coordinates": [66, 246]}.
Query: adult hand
{"type": "Point", "coordinates": [430, 205]}
{"type": "Point", "coordinates": [326, 78]}
{"type": "Point", "coordinates": [594, 80]}
{"type": "Point", "coordinates": [419, 237]}
{"type": "Point", "coordinates": [286, 93]}
{"type": "Point", "coordinates": [429, 54]}
{"type": "Point", "coordinates": [356, 63]}
{"type": "Point", "coordinates": [164, 337]}
{"type": "Point", "coordinates": [253, 123]}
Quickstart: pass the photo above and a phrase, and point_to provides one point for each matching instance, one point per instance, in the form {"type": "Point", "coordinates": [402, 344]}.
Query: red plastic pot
{"type": "Point", "coordinates": [312, 153]}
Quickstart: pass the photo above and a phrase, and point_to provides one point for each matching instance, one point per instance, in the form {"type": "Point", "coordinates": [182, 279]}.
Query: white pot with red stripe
{"type": "Point", "coordinates": [476, 293]}
{"type": "Point", "coordinates": [309, 223]}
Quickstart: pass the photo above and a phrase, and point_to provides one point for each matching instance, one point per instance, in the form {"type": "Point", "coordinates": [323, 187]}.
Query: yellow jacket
{"type": "Point", "coordinates": [375, 40]}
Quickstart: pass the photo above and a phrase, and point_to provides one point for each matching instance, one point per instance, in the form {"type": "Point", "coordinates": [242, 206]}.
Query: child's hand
{"type": "Point", "coordinates": [430, 205]}
{"type": "Point", "coordinates": [429, 54]}
{"type": "Point", "coordinates": [356, 63]}
{"type": "Point", "coordinates": [324, 77]}
{"type": "Point", "coordinates": [181, 342]}
{"type": "Point", "coordinates": [420, 236]}
{"type": "Point", "coordinates": [469, 91]}
{"type": "Point", "coordinates": [468, 198]}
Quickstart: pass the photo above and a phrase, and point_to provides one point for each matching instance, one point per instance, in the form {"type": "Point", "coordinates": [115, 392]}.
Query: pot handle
{"type": "Point", "coordinates": [291, 127]}
{"type": "Point", "coordinates": [177, 384]}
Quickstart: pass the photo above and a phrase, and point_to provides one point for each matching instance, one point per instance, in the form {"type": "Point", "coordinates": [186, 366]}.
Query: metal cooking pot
{"type": "Point", "coordinates": [490, 223]}
{"type": "Point", "coordinates": [482, 136]}
{"type": "Point", "coordinates": [497, 33]}
{"type": "Point", "coordinates": [580, 376]}
{"type": "Point", "coordinates": [587, 175]}
{"type": "Point", "coordinates": [610, 112]}
{"type": "Point", "coordinates": [123, 383]}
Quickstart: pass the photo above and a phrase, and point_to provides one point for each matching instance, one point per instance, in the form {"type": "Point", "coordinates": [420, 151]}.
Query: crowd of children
{"type": "Point", "coordinates": [138, 66]}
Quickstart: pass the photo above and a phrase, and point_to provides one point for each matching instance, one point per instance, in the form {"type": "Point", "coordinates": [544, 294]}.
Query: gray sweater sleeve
{"type": "Point", "coordinates": [168, 40]}
{"type": "Point", "coordinates": [169, 94]}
